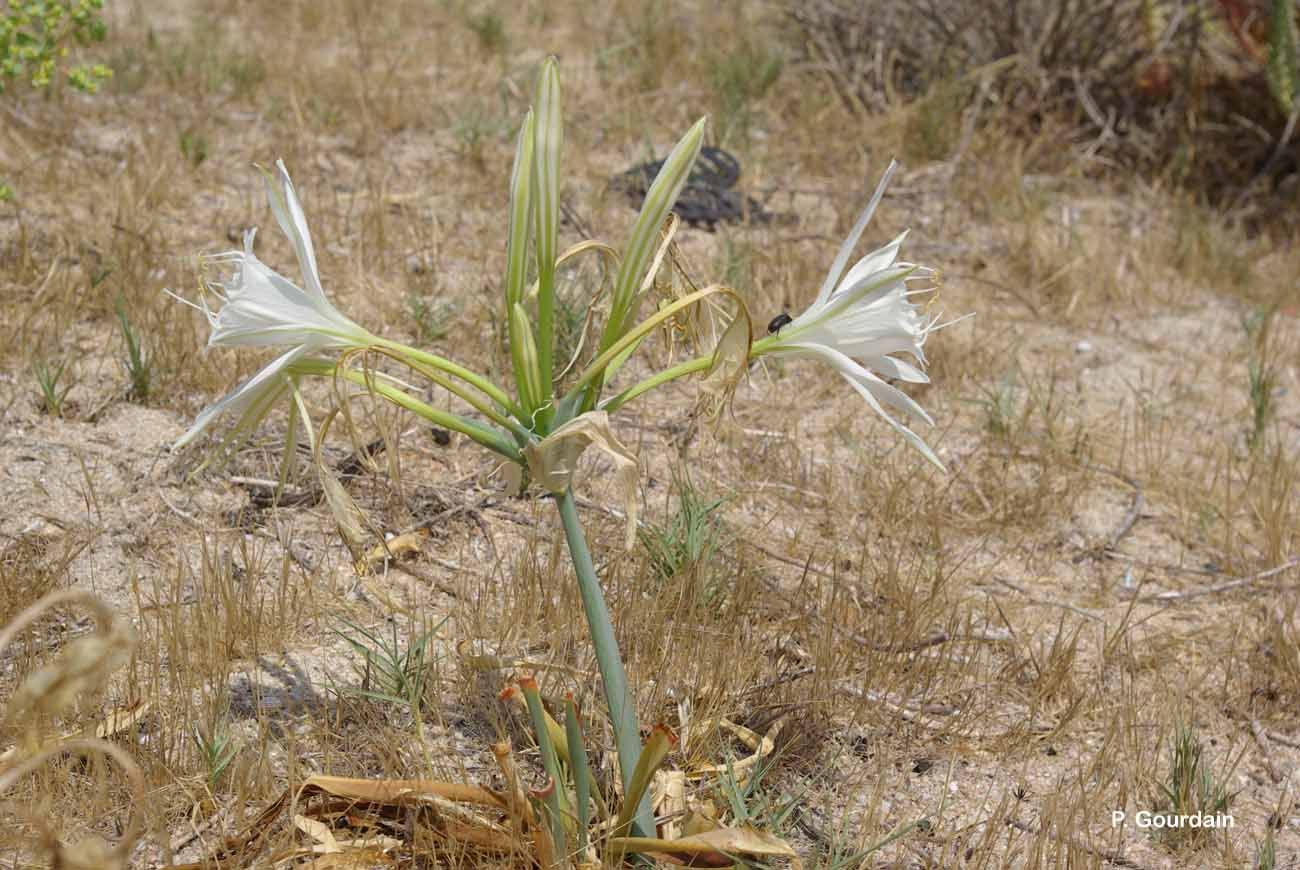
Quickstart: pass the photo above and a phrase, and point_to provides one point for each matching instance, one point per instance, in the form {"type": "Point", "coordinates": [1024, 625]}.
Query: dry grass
{"type": "Point", "coordinates": [1006, 652]}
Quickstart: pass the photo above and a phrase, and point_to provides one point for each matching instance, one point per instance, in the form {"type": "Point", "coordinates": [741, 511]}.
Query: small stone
{"type": "Point", "coordinates": [1083, 347]}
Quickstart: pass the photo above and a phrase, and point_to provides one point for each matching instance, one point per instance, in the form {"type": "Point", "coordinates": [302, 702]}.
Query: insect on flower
{"type": "Point", "coordinates": [858, 322]}
{"type": "Point", "coordinates": [774, 326]}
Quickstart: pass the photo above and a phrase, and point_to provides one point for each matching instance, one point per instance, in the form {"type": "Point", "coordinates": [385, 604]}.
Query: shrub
{"type": "Point", "coordinates": [1201, 91]}
{"type": "Point", "coordinates": [35, 38]}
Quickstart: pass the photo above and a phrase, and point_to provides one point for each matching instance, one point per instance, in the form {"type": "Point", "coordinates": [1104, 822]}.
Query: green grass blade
{"type": "Point", "coordinates": [1282, 72]}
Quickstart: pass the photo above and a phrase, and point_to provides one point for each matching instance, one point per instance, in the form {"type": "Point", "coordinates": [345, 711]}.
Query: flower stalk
{"type": "Point", "coordinates": [618, 697]}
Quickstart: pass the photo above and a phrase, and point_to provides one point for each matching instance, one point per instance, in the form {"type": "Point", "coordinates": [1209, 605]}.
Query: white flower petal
{"type": "Point", "coordinates": [293, 223]}
{"type": "Point", "coordinates": [896, 369]}
{"type": "Point", "coordinates": [857, 322]}
{"type": "Point", "coordinates": [263, 308]}
{"type": "Point", "coordinates": [874, 391]}
{"type": "Point", "coordinates": [877, 261]}
{"type": "Point", "coordinates": [853, 302]}
{"type": "Point", "coordinates": [846, 249]}
{"type": "Point", "coordinates": [858, 374]}
{"type": "Point", "coordinates": [250, 400]}
{"type": "Point", "coordinates": [911, 437]}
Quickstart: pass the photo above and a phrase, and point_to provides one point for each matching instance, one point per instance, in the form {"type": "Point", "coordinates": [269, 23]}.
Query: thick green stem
{"type": "Point", "coordinates": [622, 708]}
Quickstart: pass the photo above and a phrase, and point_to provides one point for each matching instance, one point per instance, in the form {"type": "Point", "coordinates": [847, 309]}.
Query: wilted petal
{"type": "Point", "coordinates": [553, 460]}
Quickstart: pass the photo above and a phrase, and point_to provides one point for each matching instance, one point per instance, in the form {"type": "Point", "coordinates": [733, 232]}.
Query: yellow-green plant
{"type": "Point", "coordinates": [1283, 70]}
{"type": "Point", "coordinates": [859, 319]}
{"type": "Point", "coordinates": [35, 38]}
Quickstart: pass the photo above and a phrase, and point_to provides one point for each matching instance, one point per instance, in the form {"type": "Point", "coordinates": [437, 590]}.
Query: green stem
{"type": "Point", "coordinates": [613, 403]}
{"type": "Point", "coordinates": [485, 435]}
{"type": "Point", "coordinates": [618, 697]}
{"type": "Point", "coordinates": [597, 366]}
{"type": "Point", "coordinates": [489, 438]}
{"type": "Point", "coordinates": [470, 398]}
{"type": "Point", "coordinates": [474, 379]}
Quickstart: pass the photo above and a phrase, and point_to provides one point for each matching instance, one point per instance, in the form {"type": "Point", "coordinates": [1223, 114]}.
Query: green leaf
{"type": "Point", "coordinates": [548, 140]}
{"type": "Point", "coordinates": [529, 377]}
{"type": "Point", "coordinates": [659, 201]}
{"type": "Point", "coordinates": [581, 771]}
{"type": "Point", "coordinates": [556, 796]}
{"type": "Point", "coordinates": [521, 188]}
{"type": "Point", "coordinates": [652, 755]}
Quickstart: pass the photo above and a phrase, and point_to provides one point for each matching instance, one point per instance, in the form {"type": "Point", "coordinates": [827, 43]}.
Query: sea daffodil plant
{"type": "Point", "coordinates": [855, 324]}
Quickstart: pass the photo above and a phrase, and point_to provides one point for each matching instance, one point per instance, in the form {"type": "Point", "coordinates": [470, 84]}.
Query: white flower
{"type": "Point", "coordinates": [856, 323]}
{"type": "Point", "coordinates": [263, 308]}
{"type": "Point", "coordinates": [251, 400]}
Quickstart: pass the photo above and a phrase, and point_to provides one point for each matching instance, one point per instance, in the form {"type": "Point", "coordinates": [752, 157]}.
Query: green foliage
{"type": "Point", "coordinates": [1190, 789]}
{"type": "Point", "coordinates": [691, 536]}
{"type": "Point", "coordinates": [1266, 853]}
{"type": "Point", "coordinates": [934, 121]}
{"type": "Point", "coordinates": [432, 316]}
{"type": "Point", "coordinates": [490, 30]}
{"type": "Point", "coordinates": [737, 264]}
{"type": "Point", "coordinates": [194, 147]}
{"type": "Point", "coordinates": [474, 129]}
{"type": "Point", "coordinates": [392, 672]}
{"type": "Point", "coordinates": [35, 38]}
{"type": "Point", "coordinates": [1283, 72]}
{"type": "Point", "coordinates": [47, 379]}
{"type": "Point", "coordinates": [841, 856]}
{"type": "Point", "coordinates": [1000, 404]}
{"type": "Point", "coordinates": [740, 78]}
{"type": "Point", "coordinates": [138, 364]}
{"type": "Point", "coordinates": [217, 749]}
{"type": "Point", "coordinates": [6, 192]}
{"type": "Point", "coordinates": [1262, 373]}
{"type": "Point", "coordinates": [754, 802]}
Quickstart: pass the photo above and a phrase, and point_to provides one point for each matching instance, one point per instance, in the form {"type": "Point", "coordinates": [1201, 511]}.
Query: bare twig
{"type": "Point", "coordinates": [1107, 855]}
{"type": "Point", "coordinates": [1043, 602]}
{"type": "Point", "coordinates": [780, 679]}
{"type": "Point", "coordinates": [1279, 149]}
{"type": "Point", "coordinates": [1238, 583]}
{"type": "Point", "coordinates": [915, 716]}
{"type": "Point", "coordinates": [1261, 739]}
{"type": "Point", "coordinates": [1134, 510]}
{"type": "Point", "coordinates": [1284, 740]}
